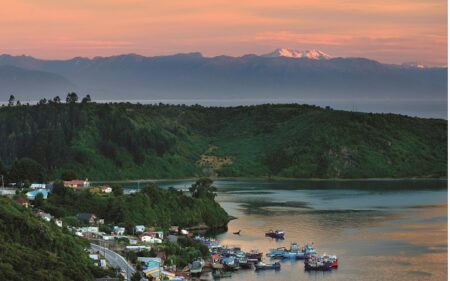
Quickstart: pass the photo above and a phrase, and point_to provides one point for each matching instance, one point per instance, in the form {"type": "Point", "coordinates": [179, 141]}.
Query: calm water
{"type": "Point", "coordinates": [380, 230]}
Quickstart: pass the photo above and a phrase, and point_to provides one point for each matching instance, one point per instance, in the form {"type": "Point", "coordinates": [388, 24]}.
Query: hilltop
{"type": "Point", "coordinates": [131, 141]}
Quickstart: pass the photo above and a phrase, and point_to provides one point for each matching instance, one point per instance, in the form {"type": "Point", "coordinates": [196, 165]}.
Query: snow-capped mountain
{"type": "Point", "coordinates": [289, 53]}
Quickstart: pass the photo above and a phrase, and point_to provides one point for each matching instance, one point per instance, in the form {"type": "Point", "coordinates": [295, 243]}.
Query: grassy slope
{"type": "Point", "coordinates": [124, 141]}
{"type": "Point", "coordinates": [31, 249]}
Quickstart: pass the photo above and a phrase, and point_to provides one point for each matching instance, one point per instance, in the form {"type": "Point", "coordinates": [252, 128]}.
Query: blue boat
{"type": "Point", "coordinates": [276, 253]}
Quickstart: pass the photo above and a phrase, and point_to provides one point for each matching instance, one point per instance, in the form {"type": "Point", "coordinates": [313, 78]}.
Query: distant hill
{"type": "Point", "coordinates": [19, 81]}
{"type": "Point", "coordinates": [126, 141]}
{"type": "Point", "coordinates": [281, 74]}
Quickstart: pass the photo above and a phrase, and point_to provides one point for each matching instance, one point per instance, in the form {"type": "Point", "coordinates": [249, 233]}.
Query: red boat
{"type": "Point", "coordinates": [254, 254]}
{"type": "Point", "coordinates": [332, 259]}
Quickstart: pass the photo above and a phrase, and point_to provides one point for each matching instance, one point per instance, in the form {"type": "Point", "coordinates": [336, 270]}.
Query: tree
{"type": "Point", "coordinates": [203, 188]}
{"type": "Point", "coordinates": [117, 190]}
{"type": "Point", "coordinates": [26, 169]}
{"type": "Point", "coordinates": [57, 99]}
{"type": "Point", "coordinates": [39, 200]}
{"type": "Point", "coordinates": [42, 101]}
{"type": "Point", "coordinates": [71, 97]}
{"type": "Point", "coordinates": [136, 276]}
{"type": "Point", "coordinates": [68, 175]}
{"type": "Point", "coordinates": [11, 100]}
{"type": "Point", "coordinates": [86, 99]}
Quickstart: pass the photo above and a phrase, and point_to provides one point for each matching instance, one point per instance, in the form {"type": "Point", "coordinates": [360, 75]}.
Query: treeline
{"type": "Point", "coordinates": [152, 206]}
{"type": "Point", "coordinates": [129, 141]}
{"type": "Point", "coordinates": [32, 249]}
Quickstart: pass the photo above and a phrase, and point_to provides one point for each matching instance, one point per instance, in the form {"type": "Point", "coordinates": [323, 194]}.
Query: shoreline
{"type": "Point", "coordinates": [273, 179]}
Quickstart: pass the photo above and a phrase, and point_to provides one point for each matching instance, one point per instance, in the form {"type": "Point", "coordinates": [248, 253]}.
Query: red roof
{"type": "Point", "coordinates": [76, 182]}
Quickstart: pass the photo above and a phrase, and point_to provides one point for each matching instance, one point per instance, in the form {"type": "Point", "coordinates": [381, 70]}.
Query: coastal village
{"type": "Point", "coordinates": [135, 253]}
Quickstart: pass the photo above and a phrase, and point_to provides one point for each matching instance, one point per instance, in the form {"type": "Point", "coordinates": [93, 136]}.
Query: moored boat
{"type": "Point", "coordinates": [278, 234]}
{"type": "Point", "coordinates": [318, 264]}
{"type": "Point", "coordinates": [265, 266]}
{"type": "Point", "coordinates": [332, 259]}
{"type": "Point", "coordinates": [254, 254]}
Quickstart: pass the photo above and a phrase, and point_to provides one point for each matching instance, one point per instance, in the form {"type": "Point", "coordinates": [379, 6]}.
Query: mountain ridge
{"type": "Point", "coordinates": [193, 76]}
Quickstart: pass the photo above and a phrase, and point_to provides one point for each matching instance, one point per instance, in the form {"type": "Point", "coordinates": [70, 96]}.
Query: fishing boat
{"type": "Point", "coordinates": [254, 254]}
{"type": "Point", "coordinates": [277, 234]}
{"type": "Point", "coordinates": [265, 266]}
{"type": "Point", "coordinates": [332, 259]}
{"type": "Point", "coordinates": [230, 264]}
{"type": "Point", "coordinates": [197, 266]}
{"type": "Point", "coordinates": [276, 253]}
{"type": "Point", "coordinates": [317, 264]}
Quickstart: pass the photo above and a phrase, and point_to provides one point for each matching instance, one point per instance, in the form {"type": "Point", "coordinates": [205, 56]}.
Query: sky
{"type": "Point", "coordinates": [390, 31]}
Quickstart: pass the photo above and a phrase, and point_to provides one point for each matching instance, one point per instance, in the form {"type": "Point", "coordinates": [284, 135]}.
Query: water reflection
{"type": "Point", "coordinates": [378, 233]}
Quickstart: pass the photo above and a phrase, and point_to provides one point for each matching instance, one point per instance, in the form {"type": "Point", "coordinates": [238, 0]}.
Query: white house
{"type": "Point", "coordinates": [38, 186]}
{"type": "Point", "coordinates": [139, 228]}
{"type": "Point", "coordinates": [119, 230]}
{"type": "Point", "coordinates": [92, 229]}
{"type": "Point", "coordinates": [150, 239]}
{"type": "Point", "coordinates": [137, 248]}
{"type": "Point", "coordinates": [105, 189]}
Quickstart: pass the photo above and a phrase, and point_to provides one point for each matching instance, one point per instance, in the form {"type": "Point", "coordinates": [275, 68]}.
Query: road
{"type": "Point", "coordinates": [115, 260]}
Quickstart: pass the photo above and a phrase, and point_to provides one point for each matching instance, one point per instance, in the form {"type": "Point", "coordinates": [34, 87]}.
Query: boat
{"type": "Point", "coordinates": [237, 232]}
{"type": "Point", "coordinates": [197, 266]}
{"type": "Point", "coordinates": [254, 254]}
{"type": "Point", "coordinates": [332, 259]}
{"type": "Point", "coordinates": [230, 264]}
{"type": "Point", "coordinates": [265, 266]}
{"type": "Point", "coordinates": [317, 264]}
{"type": "Point", "coordinates": [276, 253]}
{"type": "Point", "coordinates": [277, 234]}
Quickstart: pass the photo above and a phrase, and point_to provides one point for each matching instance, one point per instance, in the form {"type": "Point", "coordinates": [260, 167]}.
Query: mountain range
{"type": "Point", "coordinates": [282, 73]}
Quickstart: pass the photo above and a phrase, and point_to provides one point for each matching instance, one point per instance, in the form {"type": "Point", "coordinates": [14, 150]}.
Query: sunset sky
{"type": "Point", "coordinates": [391, 31]}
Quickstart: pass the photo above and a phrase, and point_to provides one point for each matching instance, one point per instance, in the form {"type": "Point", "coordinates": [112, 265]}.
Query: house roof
{"type": "Point", "coordinates": [21, 200]}
{"type": "Point", "coordinates": [76, 182]}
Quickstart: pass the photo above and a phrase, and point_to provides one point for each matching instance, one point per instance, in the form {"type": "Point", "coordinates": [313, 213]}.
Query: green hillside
{"type": "Point", "coordinates": [32, 249]}
{"type": "Point", "coordinates": [129, 141]}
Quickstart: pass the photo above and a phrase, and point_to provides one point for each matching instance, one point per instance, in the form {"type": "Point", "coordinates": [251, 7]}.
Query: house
{"type": "Point", "coordinates": [139, 228]}
{"type": "Point", "coordinates": [137, 248]}
{"type": "Point", "coordinates": [150, 237]}
{"type": "Point", "coordinates": [59, 222]}
{"type": "Point", "coordinates": [119, 230]}
{"type": "Point", "coordinates": [77, 184]}
{"type": "Point", "coordinates": [44, 216]}
{"type": "Point", "coordinates": [105, 189]}
{"type": "Point", "coordinates": [38, 186]}
{"type": "Point", "coordinates": [91, 229]}
{"type": "Point", "coordinates": [87, 217]}
{"type": "Point", "coordinates": [32, 194]}
{"type": "Point", "coordinates": [22, 201]}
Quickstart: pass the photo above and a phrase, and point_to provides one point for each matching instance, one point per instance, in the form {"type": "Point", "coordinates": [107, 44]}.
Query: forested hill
{"type": "Point", "coordinates": [33, 249]}
{"type": "Point", "coordinates": [129, 141]}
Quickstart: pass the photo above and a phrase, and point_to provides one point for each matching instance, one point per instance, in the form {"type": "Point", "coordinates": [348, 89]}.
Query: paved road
{"type": "Point", "coordinates": [115, 260]}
